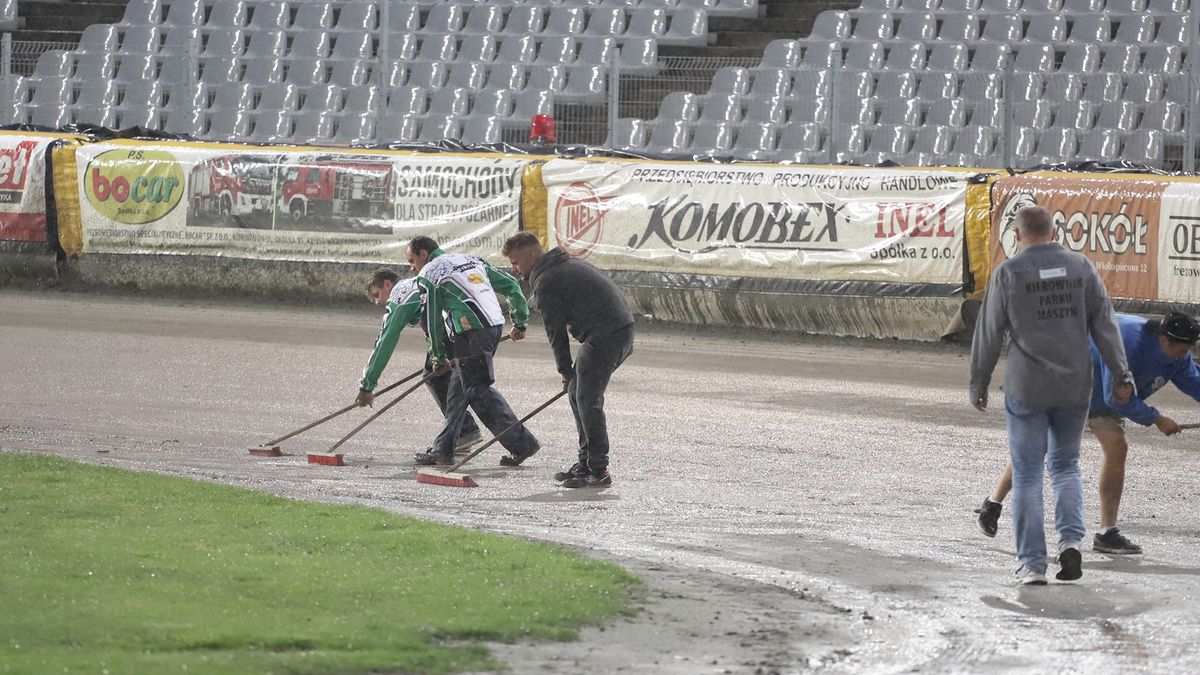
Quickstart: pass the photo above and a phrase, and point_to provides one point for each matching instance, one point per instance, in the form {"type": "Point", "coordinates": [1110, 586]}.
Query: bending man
{"type": "Point", "coordinates": [401, 299]}
{"type": "Point", "coordinates": [576, 298]}
{"type": "Point", "coordinates": [1159, 352]}
{"type": "Point", "coordinates": [461, 305]}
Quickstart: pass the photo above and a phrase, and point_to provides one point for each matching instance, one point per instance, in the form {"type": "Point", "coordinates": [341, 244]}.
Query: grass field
{"type": "Point", "coordinates": [104, 570]}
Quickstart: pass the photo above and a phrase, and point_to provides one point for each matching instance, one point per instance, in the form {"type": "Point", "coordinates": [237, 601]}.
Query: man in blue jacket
{"type": "Point", "coordinates": [1158, 352]}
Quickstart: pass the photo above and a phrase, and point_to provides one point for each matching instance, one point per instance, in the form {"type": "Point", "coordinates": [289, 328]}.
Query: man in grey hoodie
{"type": "Point", "coordinates": [578, 299]}
{"type": "Point", "coordinates": [1047, 299]}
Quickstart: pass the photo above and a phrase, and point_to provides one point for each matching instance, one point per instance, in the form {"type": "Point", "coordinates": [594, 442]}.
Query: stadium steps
{"type": "Point", "coordinates": [63, 21]}
{"type": "Point", "coordinates": [736, 37]}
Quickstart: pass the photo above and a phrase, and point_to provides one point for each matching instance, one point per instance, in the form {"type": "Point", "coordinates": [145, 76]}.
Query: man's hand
{"type": "Point", "coordinates": [566, 380]}
{"type": "Point", "coordinates": [1168, 426]}
{"type": "Point", "coordinates": [517, 333]}
{"type": "Point", "coordinates": [364, 398]}
{"type": "Point", "coordinates": [981, 401]}
{"type": "Point", "coordinates": [1122, 393]}
{"type": "Point", "coordinates": [440, 367]}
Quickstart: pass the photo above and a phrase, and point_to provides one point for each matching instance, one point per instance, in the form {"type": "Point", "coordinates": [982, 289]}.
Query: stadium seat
{"type": "Point", "coordinates": [188, 13]}
{"type": "Point", "coordinates": [1077, 115]}
{"type": "Point", "coordinates": [314, 15]}
{"type": "Point", "coordinates": [313, 127]}
{"type": "Point", "coordinates": [271, 127]}
{"type": "Point", "coordinates": [629, 134]}
{"type": "Point", "coordinates": [484, 20]}
{"type": "Point", "coordinates": [960, 27]}
{"type": "Point", "coordinates": [1033, 114]}
{"type": "Point", "coordinates": [517, 50]}
{"type": "Point", "coordinates": [946, 112]}
{"type": "Point", "coordinates": [404, 17]}
{"type": "Point", "coordinates": [945, 57]}
{"type": "Point", "coordinates": [687, 27]}
{"type": "Point", "coordinates": [228, 15]}
{"type": "Point", "coordinates": [354, 128]}
{"type": "Point", "coordinates": [405, 101]}
{"type": "Point", "coordinates": [782, 54]}
{"type": "Point", "coordinates": [397, 129]}
{"type": "Point", "coordinates": [712, 140]}
{"type": "Point", "coordinates": [1101, 144]}
{"type": "Point", "coordinates": [917, 26]}
{"type": "Point", "coordinates": [899, 112]}
{"type": "Point", "coordinates": [143, 13]}
{"type": "Point", "coordinates": [1121, 116]}
{"type": "Point", "coordinates": [1145, 146]}
{"type": "Point", "coordinates": [269, 15]}
{"type": "Point", "coordinates": [669, 136]}
{"type": "Point", "coordinates": [831, 24]}
{"type": "Point", "coordinates": [755, 142]}
{"type": "Point", "coordinates": [434, 129]}
{"type": "Point", "coordinates": [482, 130]}
{"type": "Point", "coordinates": [524, 21]}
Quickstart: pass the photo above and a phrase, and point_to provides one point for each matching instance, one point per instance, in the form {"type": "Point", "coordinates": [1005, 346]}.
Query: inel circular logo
{"type": "Point", "coordinates": [578, 218]}
{"type": "Point", "coordinates": [134, 186]}
{"type": "Point", "coordinates": [1008, 221]}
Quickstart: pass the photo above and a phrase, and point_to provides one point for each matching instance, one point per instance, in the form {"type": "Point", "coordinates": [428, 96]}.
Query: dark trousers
{"type": "Point", "coordinates": [439, 387]}
{"type": "Point", "coordinates": [471, 385]}
{"type": "Point", "coordinates": [595, 363]}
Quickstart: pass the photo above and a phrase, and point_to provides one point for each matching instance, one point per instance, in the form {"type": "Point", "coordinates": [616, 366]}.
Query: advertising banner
{"type": "Point", "coordinates": [1110, 219]}
{"type": "Point", "coordinates": [795, 223]}
{"type": "Point", "coordinates": [296, 205]}
{"type": "Point", "coordinates": [23, 186]}
{"type": "Point", "coordinates": [1179, 244]}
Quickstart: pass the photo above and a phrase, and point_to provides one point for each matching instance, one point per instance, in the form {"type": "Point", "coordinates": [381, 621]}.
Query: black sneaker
{"type": "Point", "coordinates": [1114, 542]}
{"type": "Point", "coordinates": [515, 459]}
{"type": "Point", "coordinates": [589, 480]}
{"type": "Point", "coordinates": [465, 442]}
{"type": "Point", "coordinates": [431, 458]}
{"type": "Point", "coordinates": [989, 517]}
{"type": "Point", "coordinates": [1070, 562]}
{"type": "Point", "coordinates": [575, 471]}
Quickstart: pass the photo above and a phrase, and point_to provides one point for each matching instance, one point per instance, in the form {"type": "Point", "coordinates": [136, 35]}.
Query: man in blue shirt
{"type": "Point", "coordinates": [1158, 352]}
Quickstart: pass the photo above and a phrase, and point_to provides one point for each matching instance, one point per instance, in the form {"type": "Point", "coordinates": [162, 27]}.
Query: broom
{"type": "Point", "coordinates": [451, 479]}
{"type": "Point", "coordinates": [271, 448]}
{"type": "Point", "coordinates": [335, 459]}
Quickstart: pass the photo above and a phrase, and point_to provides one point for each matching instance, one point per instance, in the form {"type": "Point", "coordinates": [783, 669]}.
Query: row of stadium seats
{"type": "Point", "coordinates": [1010, 6]}
{"type": "Point", "coordinates": [923, 145]}
{"type": "Point", "coordinates": [367, 15]}
{"type": "Point", "coordinates": [1140, 28]}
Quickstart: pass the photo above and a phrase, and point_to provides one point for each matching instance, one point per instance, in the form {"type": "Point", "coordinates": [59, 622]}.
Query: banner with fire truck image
{"type": "Point", "coordinates": [847, 224]}
{"type": "Point", "coordinates": [299, 205]}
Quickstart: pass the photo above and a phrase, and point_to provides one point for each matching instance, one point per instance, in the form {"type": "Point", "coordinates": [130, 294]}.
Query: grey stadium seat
{"type": "Point", "coordinates": [669, 136]}
{"type": "Point", "coordinates": [687, 27]}
{"type": "Point", "coordinates": [755, 142]}
{"type": "Point", "coordinates": [714, 140]}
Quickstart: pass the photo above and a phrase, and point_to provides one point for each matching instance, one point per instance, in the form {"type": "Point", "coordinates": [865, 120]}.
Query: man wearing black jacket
{"type": "Point", "coordinates": [578, 299]}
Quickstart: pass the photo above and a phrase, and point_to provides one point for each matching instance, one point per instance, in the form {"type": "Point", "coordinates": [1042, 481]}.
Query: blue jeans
{"type": "Point", "coordinates": [1038, 434]}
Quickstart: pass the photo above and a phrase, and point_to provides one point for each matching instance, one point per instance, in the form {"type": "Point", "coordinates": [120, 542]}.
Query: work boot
{"type": "Point", "coordinates": [576, 471]}
{"type": "Point", "coordinates": [515, 460]}
{"type": "Point", "coordinates": [1071, 562]}
{"type": "Point", "coordinates": [431, 458]}
{"type": "Point", "coordinates": [989, 517]}
{"type": "Point", "coordinates": [589, 480]}
{"type": "Point", "coordinates": [1115, 543]}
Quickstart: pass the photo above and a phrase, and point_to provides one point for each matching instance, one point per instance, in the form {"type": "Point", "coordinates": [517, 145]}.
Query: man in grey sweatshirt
{"type": "Point", "coordinates": [1047, 299]}
{"type": "Point", "coordinates": [578, 299]}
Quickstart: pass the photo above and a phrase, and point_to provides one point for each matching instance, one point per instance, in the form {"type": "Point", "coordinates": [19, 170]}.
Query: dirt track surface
{"type": "Point", "coordinates": [792, 505]}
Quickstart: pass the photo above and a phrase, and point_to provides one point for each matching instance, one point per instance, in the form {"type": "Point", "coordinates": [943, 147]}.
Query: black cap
{"type": "Point", "coordinates": [1180, 327]}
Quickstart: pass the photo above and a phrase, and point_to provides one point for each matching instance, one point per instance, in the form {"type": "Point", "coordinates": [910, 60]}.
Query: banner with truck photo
{"type": "Point", "coordinates": [1142, 232]}
{"type": "Point", "coordinates": [874, 225]}
{"type": "Point", "coordinates": [300, 204]}
{"type": "Point", "coordinates": [23, 184]}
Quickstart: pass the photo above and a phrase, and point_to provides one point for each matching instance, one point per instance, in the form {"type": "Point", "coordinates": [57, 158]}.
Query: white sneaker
{"type": "Point", "coordinates": [1028, 577]}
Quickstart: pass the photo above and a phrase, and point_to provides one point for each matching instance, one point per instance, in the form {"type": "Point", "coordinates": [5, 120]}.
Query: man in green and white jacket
{"type": "Point", "coordinates": [401, 300]}
{"type": "Point", "coordinates": [461, 304]}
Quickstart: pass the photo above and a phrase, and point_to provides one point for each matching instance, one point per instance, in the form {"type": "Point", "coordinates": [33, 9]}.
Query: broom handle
{"type": "Point", "coordinates": [382, 410]}
{"type": "Point", "coordinates": [392, 402]}
{"type": "Point", "coordinates": [516, 424]}
{"type": "Point", "coordinates": [1195, 425]}
{"type": "Point", "coordinates": [347, 409]}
